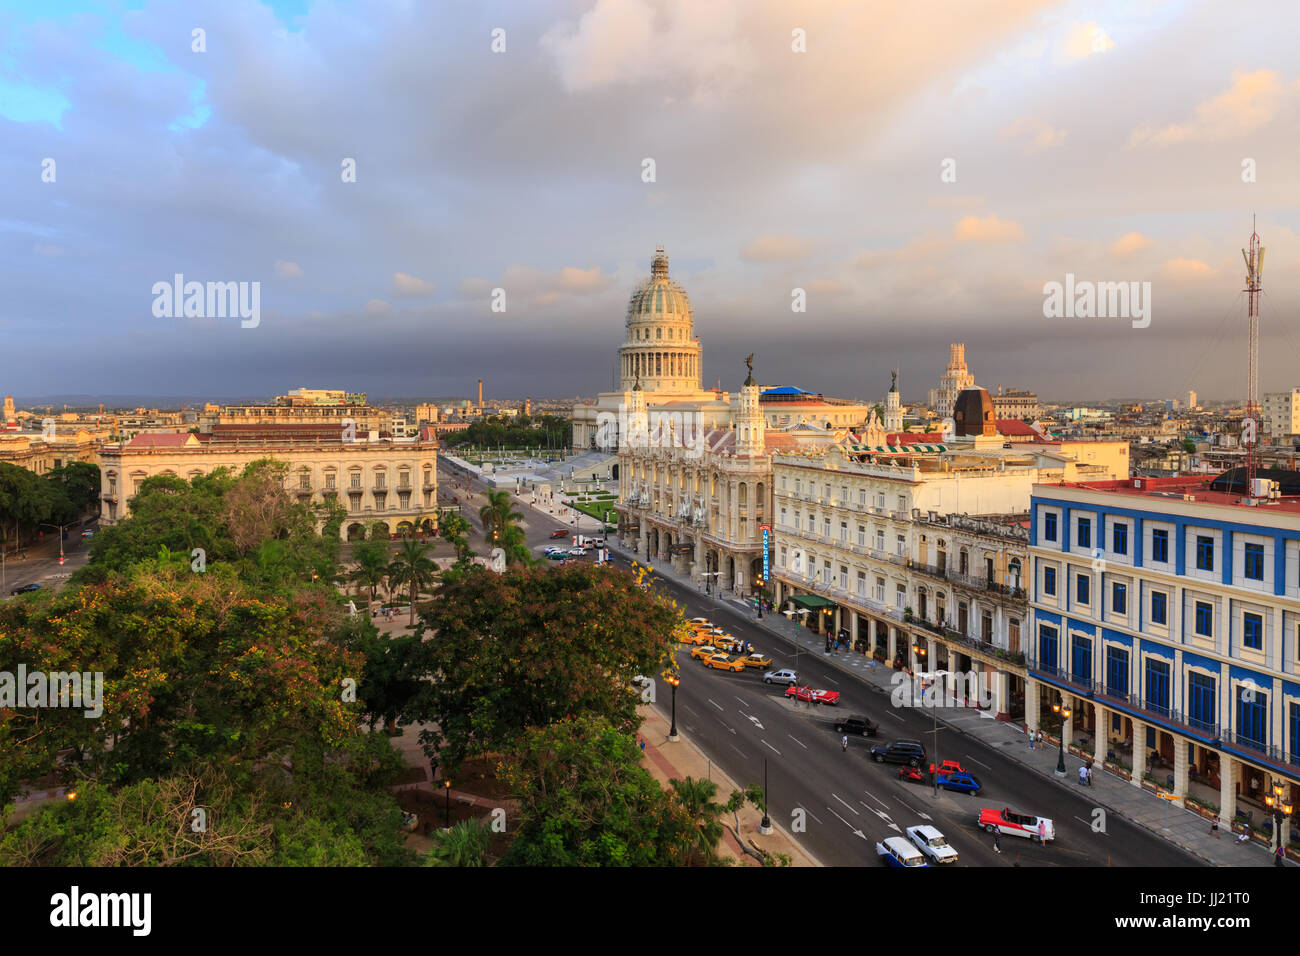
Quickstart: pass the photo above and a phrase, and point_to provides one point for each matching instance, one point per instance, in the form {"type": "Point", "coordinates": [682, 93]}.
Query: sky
{"type": "Point", "coordinates": [920, 171]}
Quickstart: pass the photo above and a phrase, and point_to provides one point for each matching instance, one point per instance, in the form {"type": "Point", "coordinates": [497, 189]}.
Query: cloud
{"type": "Point", "coordinates": [409, 286]}
{"type": "Point", "coordinates": [1252, 101]}
{"type": "Point", "coordinates": [287, 270]}
{"type": "Point", "coordinates": [42, 249]}
{"type": "Point", "coordinates": [1130, 243]}
{"type": "Point", "coordinates": [378, 307]}
{"type": "Point", "coordinates": [474, 288]}
{"type": "Point", "coordinates": [988, 229]}
{"type": "Point", "coordinates": [1186, 269]}
{"type": "Point", "coordinates": [572, 279]}
{"type": "Point", "coordinates": [1042, 135]}
{"type": "Point", "coordinates": [776, 249]}
{"type": "Point", "coordinates": [922, 248]}
{"type": "Point", "coordinates": [1085, 39]}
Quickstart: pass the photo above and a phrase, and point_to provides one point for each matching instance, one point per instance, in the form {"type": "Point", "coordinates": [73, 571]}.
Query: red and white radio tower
{"type": "Point", "coordinates": [1250, 431]}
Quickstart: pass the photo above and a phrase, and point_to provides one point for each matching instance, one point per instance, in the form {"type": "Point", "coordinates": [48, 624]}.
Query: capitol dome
{"type": "Point", "coordinates": [661, 349]}
{"type": "Point", "coordinates": [658, 297]}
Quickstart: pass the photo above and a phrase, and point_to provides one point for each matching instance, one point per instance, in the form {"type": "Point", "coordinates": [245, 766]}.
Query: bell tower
{"type": "Point", "coordinates": [749, 418]}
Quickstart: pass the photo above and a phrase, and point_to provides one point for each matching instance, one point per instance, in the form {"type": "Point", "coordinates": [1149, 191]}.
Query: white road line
{"type": "Point", "coordinates": [770, 747]}
{"type": "Point", "coordinates": [841, 799]}
{"type": "Point", "coordinates": [742, 701]}
{"type": "Point", "coordinates": [714, 703]}
{"type": "Point", "coordinates": [1089, 825]}
{"type": "Point", "coordinates": [810, 813]}
{"type": "Point", "coordinates": [739, 751]}
{"type": "Point", "coordinates": [980, 762]}
{"type": "Point", "coordinates": [890, 713]}
{"type": "Point", "coordinates": [904, 803]}
{"type": "Point", "coordinates": [833, 681]}
{"type": "Point", "coordinates": [689, 709]}
{"type": "Point", "coordinates": [876, 798]}
{"type": "Point", "coordinates": [796, 740]}
{"type": "Point", "coordinates": [842, 820]}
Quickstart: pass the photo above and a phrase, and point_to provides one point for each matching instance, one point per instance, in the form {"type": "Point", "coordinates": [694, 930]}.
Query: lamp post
{"type": "Point", "coordinates": [446, 817]}
{"type": "Point", "coordinates": [60, 527]}
{"type": "Point", "coordinates": [765, 826]}
{"type": "Point", "coordinates": [1060, 708]}
{"type": "Point", "coordinates": [1280, 809]}
{"type": "Point", "coordinates": [673, 680]}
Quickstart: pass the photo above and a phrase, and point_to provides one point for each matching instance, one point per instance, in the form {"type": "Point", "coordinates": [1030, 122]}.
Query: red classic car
{"type": "Point", "coordinates": [1009, 822]}
{"type": "Point", "coordinates": [813, 695]}
{"type": "Point", "coordinates": [948, 766]}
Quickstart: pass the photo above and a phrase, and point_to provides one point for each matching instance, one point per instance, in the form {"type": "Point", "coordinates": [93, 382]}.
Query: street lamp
{"type": "Point", "coordinates": [1281, 810]}
{"type": "Point", "coordinates": [1060, 708]}
{"type": "Point", "coordinates": [673, 680]}
{"type": "Point", "coordinates": [765, 826]}
{"type": "Point", "coordinates": [446, 818]}
{"type": "Point", "coordinates": [60, 527]}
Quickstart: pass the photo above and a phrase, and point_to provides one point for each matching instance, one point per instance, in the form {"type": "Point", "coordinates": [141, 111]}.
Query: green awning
{"type": "Point", "coordinates": [813, 602]}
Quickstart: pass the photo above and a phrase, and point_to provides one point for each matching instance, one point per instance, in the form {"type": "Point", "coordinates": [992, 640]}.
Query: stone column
{"type": "Point", "coordinates": [893, 645]}
{"type": "Point", "coordinates": [930, 646]}
{"type": "Point", "coordinates": [643, 540]}
{"type": "Point", "coordinates": [1001, 687]}
{"type": "Point", "coordinates": [853, 630]}
{"type": "Point", "coordinates": [697, 567]}
{"type": "Point", "coordinates": [1032, 695]}
{"type": "Point", "coordinates": [1229, 774]}
{"type": "Point", "coordinates": [1139, 752]}
{"type": "Point", "coordinates": [1180, 766]}
{"type": "Point", "coordinates": [1101, 739]}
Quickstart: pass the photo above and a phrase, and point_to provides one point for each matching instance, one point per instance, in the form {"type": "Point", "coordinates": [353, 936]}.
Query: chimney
{"type": "Point", "coordinates": [480, 396]}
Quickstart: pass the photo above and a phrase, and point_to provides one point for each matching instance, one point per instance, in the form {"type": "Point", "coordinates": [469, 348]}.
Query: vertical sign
{"type": "Point", "coordinates": [767, 551]}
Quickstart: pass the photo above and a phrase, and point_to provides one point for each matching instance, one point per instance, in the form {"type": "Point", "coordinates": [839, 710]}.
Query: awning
{"type": "Point", "coordinates": [916, 449]}
{"type": "Point", "coordinates": [812, 602]}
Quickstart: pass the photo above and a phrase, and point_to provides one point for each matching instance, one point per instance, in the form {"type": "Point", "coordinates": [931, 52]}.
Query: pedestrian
{"type": "Point", "coordinates": [1083, 776]}
{"type": "Point", "coordinates": [844, 743]}
{"type": "Point", "coordinates": [1214, 827]}
{"type": "Point", "coordinates": [1031, 740]}
{"type": "Point", "coordinates": [1090, 775]}
{"type": "Point", "coordinates": [1040, 740]}
{"type": "Point", "coordinates": [1042, 831]}
{"type": "Point", "coordinates": [997, 841]}
{"type": "Point", "coordinates": [1279, 854]}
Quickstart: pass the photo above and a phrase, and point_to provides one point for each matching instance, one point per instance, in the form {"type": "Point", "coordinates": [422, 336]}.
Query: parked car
{"type": "Point", "coordinates": [1012, 823]}
{"type": "Point", "coordinates": [895, 851]}
{"type": "Point", "coordinates": [26, 588]}
{"type": "Point", "coordinates": [756, 660]}
{"type": "Point", "coordinates": [948, 766]}
{"type": "Point", "coordinates": [910, 752]}
{"type": "Point", "coordinates": [960, 780]}
{"type": "Point", "coordinates": [703, 651]}
{"type": "Point", "coordinates": [88, 533]}
{"type": "Point", "coordinates": [700, 622]}
{"type": "Point", "coordinates": [732, 645]}
{"type": "Point", "coordinates": [696, 637]}
{"type": "Point", "coordinates": [856, 724]}
{"type": "Point", "coordinates": [783, 676]}
{"type": "Point", "coordinates": [557, 554]}
{"type": "Point", "coordinates": [559, 533]}
{"type": "Point", "coordinates": [932, 843]}
{"type": "Point", "coordinates": [723, 662]}
{"type": "Point", "coordinates": [813, 695]}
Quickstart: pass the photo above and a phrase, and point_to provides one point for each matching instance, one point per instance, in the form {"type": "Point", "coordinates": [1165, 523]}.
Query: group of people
{"type": "Point", "coordinates": [387, 612]}
{"type": "Point", "coordinates": [1036, 740]}
{"type": "Point", "coordinates": [1085, 775]}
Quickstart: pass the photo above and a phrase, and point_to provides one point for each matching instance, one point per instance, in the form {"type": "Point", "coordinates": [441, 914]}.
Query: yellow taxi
{"type": "Point", "coordinates": [756, 660]}
{"type": "Point", "coordinates": [730, 644]}
{"type": "Point", "coordinates": [704, 652]}
{"type": "Point", "coordinates": [696, 637]}
{"type": "Point", "coordinates": [698, 622]}
{"type": "Point", "coordinates": [723, 663]}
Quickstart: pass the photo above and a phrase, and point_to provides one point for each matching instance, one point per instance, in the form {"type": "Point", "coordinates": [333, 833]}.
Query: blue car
{"type": "Point", "coordinates": [960, 781]}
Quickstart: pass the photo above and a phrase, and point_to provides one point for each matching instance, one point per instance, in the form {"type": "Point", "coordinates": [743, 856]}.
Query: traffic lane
{"type": "Point", "coordinates": [1011, 785]}
{"type": "Point", "coordinates": [851, 803]}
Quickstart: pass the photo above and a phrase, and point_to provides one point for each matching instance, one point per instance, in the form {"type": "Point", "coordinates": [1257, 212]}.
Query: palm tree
{"type": "Point", "coordinates": [500, 527]}
{"type": "Point", "coordinates": [411, 568]}
{"type": "Point", "coordinates": [372, 567]}
{"type": "Point", "coordinates": [696, 798]}
{"type": "Point", "coordinates": [465, 844]}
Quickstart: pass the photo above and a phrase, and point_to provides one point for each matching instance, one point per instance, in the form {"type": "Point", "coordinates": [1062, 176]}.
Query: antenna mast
{"type": "Point", "coordinates": [1250, 432]}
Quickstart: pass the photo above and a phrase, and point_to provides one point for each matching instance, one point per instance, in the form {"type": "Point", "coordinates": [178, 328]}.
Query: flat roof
{"type": "Point", "coordinates": [1198, 486]}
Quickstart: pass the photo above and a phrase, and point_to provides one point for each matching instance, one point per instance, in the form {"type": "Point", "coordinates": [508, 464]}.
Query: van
{"type": "Point", "coordinates": [910, 752]}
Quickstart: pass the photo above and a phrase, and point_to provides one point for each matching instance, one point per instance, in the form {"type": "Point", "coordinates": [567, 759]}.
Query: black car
{"type": "Point", "coordinates": [26, 588]}
{"type": "Point", "coordinates": [856, 724]}
{"type": "Point", "coordinates": [910, 752]}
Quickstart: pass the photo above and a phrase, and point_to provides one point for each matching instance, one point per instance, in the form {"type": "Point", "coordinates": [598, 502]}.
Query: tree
{"type": "Point", "coordinates": [1189, 446]}
{"type": "Point", "coordinates": [372, 560]}
{"type": "Point", "coordinates": [532, 646]}
{"type": "Point", "coordinates": [696, 799]}
{"type": "Point", "coordinates": [499, 521]}
{"type": "Point", "coordinates": [454, 529]}
{"type": "Point", "coordinates": [78, 480]}
{"type": "Point", "coordinates": [585, 800]}
{"type": "Point", "coordinates": [411, 568]}
{"type": "Point", "coordinates": [466, 844]}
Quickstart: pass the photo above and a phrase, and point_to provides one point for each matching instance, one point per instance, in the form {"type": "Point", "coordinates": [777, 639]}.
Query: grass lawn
{"type": "Point", "coordinates": [596, 510]}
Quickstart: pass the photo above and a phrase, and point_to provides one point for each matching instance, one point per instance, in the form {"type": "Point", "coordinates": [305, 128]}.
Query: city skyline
{"type": "Point", "coordinates": [823, 170]}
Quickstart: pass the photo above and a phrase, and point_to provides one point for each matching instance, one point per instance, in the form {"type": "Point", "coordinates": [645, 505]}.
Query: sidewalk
{"type": "Point", "coordinates": [679, 759]}
{"type": "Point", "coordinates": [1179, 826]}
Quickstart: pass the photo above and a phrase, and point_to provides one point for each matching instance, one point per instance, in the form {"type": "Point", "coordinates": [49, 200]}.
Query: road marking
{"type": "Point", "coordinates": [769, 747]}
{"type": "Point", "coordinates": [739, 751]}
{"type": "Point", "coordinates": [980, 762]}
{"type": "Point", "coordinates": [833, 681]}
{"type": "Point", "coordinates": [890, 713]}
{"type": "Point", "coordinates": [689, 709]}
{"type": "Point", "coordinates": [876, 798]}
{"type": "Point", "coordinates": [796, 740]}
{"type": "Point", "coordinates": [855, 830]}
{"type": "Point", "coordinates": [905, 803]}
{"type": "Point", "coordinates": [841, 800]}
{"type": "Point", "coordinates": [1089, 825]}
{"type": "Point", "coordinates": [715, 704]}
{"type": "Point", "coordinates": [754, 720]}
{"type": "Point", "coordinates": [742, 701]}
{"type": "Point", "coordinates": [811, 814]}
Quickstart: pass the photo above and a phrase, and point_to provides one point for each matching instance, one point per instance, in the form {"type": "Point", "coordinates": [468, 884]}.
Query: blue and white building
{"type": "Point", "coordinates": [1165, 613]}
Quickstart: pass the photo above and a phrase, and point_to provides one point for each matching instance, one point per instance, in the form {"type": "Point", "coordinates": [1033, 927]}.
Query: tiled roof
{"type": "Point", "coordinates": [153, 440]}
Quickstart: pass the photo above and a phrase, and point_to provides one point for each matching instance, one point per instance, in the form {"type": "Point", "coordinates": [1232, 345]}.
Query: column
{"type": "Point", "coordinates": [733, 512]}
{"type": "Point", "coordinates": [644, 539]}
{"type": "Point", "coordinates": [1229, 774]}
{"type": "Point", "coordinates": [1001, 688]}
{"type": "Point", "coordinates": [853, 630]}
{"type": "Point", "coordinates": [1180, 766]}
{"type": "Point", "coordinates": [893, 645]}
{"type": "Point", "coordinates": [1067, 725]}
{"type": "Point", "coordinates": [697, 568]}
{"type": "Point", "coordinates": [837, 620]}
{"type": "Point", "coordinates": [1032, 694]}
{"type": "Point", "coordinates": [1139, 752]}
{"type": "Point", "coordinates": [1100, 739]}
{"type": "Point", "coordinates": [930, 646]}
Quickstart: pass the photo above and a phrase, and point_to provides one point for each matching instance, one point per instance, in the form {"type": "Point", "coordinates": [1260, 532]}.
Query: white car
{"type": "Point", "coordinates": [895, 851]}
{"type": "Point", "coordinates": [783, 676]}
{"type": "Point", "coordinates": [933, 844]}
{"type": "Point", "coordinates": [575, 552]}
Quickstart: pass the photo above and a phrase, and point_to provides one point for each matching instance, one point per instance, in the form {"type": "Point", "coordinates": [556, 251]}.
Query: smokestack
{"type": "Point", "coordinates": [480, 396]}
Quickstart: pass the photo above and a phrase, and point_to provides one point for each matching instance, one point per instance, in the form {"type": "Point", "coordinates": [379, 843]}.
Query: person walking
{"type": "Point", "coordinates": [844, 743]}
{"type": "Point", "coordinates": [1214, 827]}
{"type": "Point", "coordinates": [997, 841]}
{"type": "Point", "coordinates": [1090, 775]}
{"type": "Point", "coordinates": [1031, 740]}
{"type": "Point", "coordinates": [1040, 740]}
